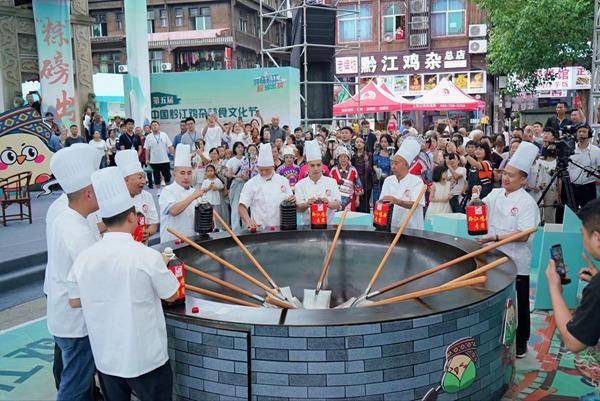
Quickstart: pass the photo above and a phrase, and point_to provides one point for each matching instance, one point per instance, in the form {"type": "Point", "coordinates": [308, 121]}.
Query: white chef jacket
{"type": "Point", "coordinates": [184, 221]}
{"type": "Point", "coordinates": [325, 187]}
{"type": "Point", "coordinates": [69, 235]}
{"type": "Point", "coordinates": [509, 214]}
{"type": "Point", "coordinates": [407, 189]}
{"type": "Point", "coordinates": [121, 282]}
{"type": "Point", "coordinates": [144, 203]}
{"type": "Point", "coordinates": [263, 198]}
{"type": "Point", "coordinates": [158, 145]}
{"type": "Point", "coordinates": [588, 157]}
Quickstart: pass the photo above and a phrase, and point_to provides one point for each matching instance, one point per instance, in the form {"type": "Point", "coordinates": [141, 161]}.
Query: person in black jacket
{"type": "Point", "coordinates": [560, 120]}
{"type": "Point", "coordinates": [367, 135]}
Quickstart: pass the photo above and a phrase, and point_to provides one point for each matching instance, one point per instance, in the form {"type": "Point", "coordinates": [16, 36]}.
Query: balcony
{"type": "Point", "coordinates": [162, 40]}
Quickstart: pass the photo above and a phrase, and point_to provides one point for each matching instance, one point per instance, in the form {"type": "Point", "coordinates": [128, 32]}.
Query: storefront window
{"type": "Point", "coordinates": [199, 60]}
{"type": "Point", "coordinates": [394, 20]}
{"type": "Point", "coordinates": [448, 17]}
{"type": "Point", "coordinates": [353, 27]}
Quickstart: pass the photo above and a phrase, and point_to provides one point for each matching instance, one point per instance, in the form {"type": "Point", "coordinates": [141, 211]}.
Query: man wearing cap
{"type": "Point", "coordinates": [124, 280]}
{"type": "Point", "coordinates": [68, 234]}
{"type": "Point", "coordinates": [263, 193]}
{"type": "Point", "coordinates": [130, 168]}
{"type": "Point", "coordinates": [316, 187]}
{"type": "Point", "coordinates": [510, 210]}
{"type": "Point", "coordinates": [178, 199]}
{"type": "Point", "coordinates": [402, 188]}
{"type": "Point", "coordinates": [288, 169]}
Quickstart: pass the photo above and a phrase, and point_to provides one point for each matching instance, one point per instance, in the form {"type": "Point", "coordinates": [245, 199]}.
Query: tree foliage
{"type": "Point", "coordinates": [529, 35]}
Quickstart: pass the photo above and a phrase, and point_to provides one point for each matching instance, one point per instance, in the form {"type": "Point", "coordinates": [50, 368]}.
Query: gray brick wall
{"type": "Point", "coordinates": [398, 360]}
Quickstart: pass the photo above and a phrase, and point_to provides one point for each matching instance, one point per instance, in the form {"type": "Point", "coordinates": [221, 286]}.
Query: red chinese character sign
{"type": "Point", "coordinates": [55, 54]}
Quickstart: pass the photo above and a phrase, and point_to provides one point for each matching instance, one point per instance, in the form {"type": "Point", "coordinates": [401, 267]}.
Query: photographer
{"type": "Point", "coordinates": [588, 156]}
{"type": "Point", "coordinates": [582, 328]}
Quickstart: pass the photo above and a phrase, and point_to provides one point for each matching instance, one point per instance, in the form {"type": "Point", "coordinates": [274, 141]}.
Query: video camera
{"type": "Point", "coordinates": [565, 145]}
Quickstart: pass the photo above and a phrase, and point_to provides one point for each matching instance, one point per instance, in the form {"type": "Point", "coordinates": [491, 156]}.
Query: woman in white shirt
{"type": "Point", "coordinates": [111, 145]}
{"type": "Point", "coordinates": [98, 143]}
{"type": "Point", "coordinates": [234, 173]}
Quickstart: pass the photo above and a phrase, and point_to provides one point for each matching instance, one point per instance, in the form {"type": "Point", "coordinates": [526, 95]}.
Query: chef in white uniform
{"type": "Point", "coordinates": [263, 193]}
{"type": "Point", "coordinates": [177, 200]}
{"type": "Point", "coordinates": [69, 233]}
{"type": "Point", "coordinates": [402, 188]}
{"type": "Point", "coordinates": [316, 187]}
{"type": "Point", "coordinates": [121, 283]}
{"type": "Point", "coordinates": [130, 168]}
{"type": "Point", "coordinates": [510, 210]}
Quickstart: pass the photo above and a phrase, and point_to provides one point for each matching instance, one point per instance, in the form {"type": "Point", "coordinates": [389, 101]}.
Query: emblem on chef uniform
{"type": "Point", "coordinates": [145, 208]}
{"type": "Point", "coordinates": [514, 211]}
{"type": "Point", "coordinates": [282, 188]}
{"type": "Point", "coordinates": [328, 192]}
{"type": "Point", "coordinates": [407, 194]}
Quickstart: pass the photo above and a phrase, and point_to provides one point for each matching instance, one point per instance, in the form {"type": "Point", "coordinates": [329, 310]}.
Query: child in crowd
{"type": "Point", "coordinates": [439, 193]}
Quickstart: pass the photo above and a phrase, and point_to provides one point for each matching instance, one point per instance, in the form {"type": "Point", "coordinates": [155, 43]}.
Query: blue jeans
{"type": "Point", "coordinates": [78, 369]}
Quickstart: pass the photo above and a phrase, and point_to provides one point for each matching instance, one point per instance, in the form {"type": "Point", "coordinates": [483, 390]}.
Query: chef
{"type": "Point", "coordinates": [124, 280]}
{"type": "Point", "coordinates": [402, 188]}
{"type": "Point", "coordinates": [177, 200]}
{"type": "Point", "coordinates": [263, 193]}
{"type": "Point", "coordinates": [316, 187]}
{"type": "Point", "coordinates": [69, 233]}
{"type": "Point", "coordinates": [510, 210]}
{"type": "Point", "coordinates": [130, 168]}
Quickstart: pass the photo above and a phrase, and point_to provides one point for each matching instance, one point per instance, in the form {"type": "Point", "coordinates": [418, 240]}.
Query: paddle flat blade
{"type": "Point", "coordinates": [312, 300]}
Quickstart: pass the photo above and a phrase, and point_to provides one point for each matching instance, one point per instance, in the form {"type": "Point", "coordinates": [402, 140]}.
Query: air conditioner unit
{"type": "Point", "coordinates": [418, 6]}
{"type": "Point", "coordinates": [165, 67]}
{"type": "Point", "coordinates": [417, 40]}
{"type": "Point", "coordinates": [477, 30]}
{"type": "Point", "coordinates": [388, 37]}
{"type": "Point", "coordinates": [122, 68]}
{"type": "Point", "coordinates": [478, 46]}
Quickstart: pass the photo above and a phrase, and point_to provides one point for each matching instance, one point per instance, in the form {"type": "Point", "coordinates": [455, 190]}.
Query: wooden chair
{"type": "Point", "coordinates": [15, 190]}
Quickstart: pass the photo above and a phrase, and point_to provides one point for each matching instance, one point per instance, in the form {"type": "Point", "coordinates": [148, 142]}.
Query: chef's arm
{"type": "Point", "coordinates": [75, 303]}
{"type": "Point", "coordinates": [335, 204]}
{"type": "Point", "coordinates": [402, 203]}
{"type": "Point", "coordinates": [151, 229]}
{"type": "Point", "coordinates": [177, 208]}
{"type": "Point", "coordinates": [172, 298]}
{"type": "Point", "coordinates": [500, 237]}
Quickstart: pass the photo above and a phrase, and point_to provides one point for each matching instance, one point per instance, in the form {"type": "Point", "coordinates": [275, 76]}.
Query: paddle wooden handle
{"type": "Point", "coordinates": [482, 270]}
{"type": "Point", "coordinates": [277, 302]}
{"type": "Point", "coordinates": [224, 283]}
{"type": "Point", "coordinates": [453, 262]}
{"type": "Point", "coordinates": [430, 291]}
{"type": "Point", "coordinates": [221, 261]}
{"type": "Point", "coordinates": [396, 239]}
{"type": "Point", "coordinates": [220, 296]}
{"type": "Point", "coordinates": [327, 261]}
{"type": "Point", "coordinates": [245, 250]}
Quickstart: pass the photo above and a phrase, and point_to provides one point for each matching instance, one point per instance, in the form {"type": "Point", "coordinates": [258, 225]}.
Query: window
{"type": "Point", "coordinates": [155, 57]}
{"type": "Point", "coordinates": [179, 16]}
{"type": "Point", "coordinates": [200, 18]}
{"type": "Point", "coordinates": [243, 25]}
{"type": "Point", "coordinates": [150, 19]}
{"type": "Point", "coordinates": [355, 24]}
{"type": "Point", "coordinates": [99, 26]}
{"type": "Point", "coordinates": [164, 18]}
{"type": "Point", "coordinates": [119, 22]}
{"type": "Point", "coordinates": [199, 60]}
{"type": "Point", "coordinates": [109, 62]}
{"type": "Point", "coordinates": [394, 20]}
{"type": "Point", "coordinates": [256, 26]}
{"type": "Point", "coordinates": [448, 17]}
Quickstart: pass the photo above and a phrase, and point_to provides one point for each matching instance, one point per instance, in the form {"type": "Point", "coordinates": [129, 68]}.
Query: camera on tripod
{"type": "Point", "coordinates": [565, 145]}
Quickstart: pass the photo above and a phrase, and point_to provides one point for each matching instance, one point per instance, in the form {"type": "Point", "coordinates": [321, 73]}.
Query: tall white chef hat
{"type": "Point", "coordinates": [97, 159]}
{"type": "Point", "coordinates": [312, 151]}
{"type": "Point", "coordinates": [111, 192]}
{"type": "Point", "coordinates": [128, 162]}
{"type": "Point", "coordinates": [409, 149]}
{"type": "Point", "coordinates": [73, 167]}
{"type": "Point", "coordinates": [524, 157]}
{"type": "Point", "coordinates": [265, 156]}
{"type": "Point", "coordinates": [182, 156]}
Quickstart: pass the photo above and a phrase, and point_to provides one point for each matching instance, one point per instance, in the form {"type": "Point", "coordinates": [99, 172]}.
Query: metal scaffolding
{"type": "Point", "coordinates": [284, 12]}
{"type": "Point", "coordinates": [594, 104]}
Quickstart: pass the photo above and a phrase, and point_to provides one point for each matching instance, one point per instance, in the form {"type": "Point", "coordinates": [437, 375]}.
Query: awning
{"type": "Point", "coordinates": [446, 96]}
{"type": "Point", "coordinates": [373, 99]}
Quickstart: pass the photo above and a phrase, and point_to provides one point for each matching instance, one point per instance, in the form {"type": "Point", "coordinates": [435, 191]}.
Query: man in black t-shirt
{"type": "Point", "coordinates": [128, 139]}
{"type": "Point", "coordinates": [74, 136]}
{"type": "Point", "coordinates": [582, 328]}
{"type": "Point", "coordinates": [35, 104]}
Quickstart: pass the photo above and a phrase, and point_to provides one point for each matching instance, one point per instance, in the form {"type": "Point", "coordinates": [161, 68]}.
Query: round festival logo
{"type": "Point", "coordinates": [514, 211]}
{"type": "Point", "coordinates": [144, 208]}
{"type": "Point", "coordinates": [328, 192]}
{"type": "Point", "coordinates": [283, 188]}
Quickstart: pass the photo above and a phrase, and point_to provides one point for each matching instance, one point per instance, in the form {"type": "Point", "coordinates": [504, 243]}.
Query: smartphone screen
{"type": "Point", "coordinates": [556, 254]}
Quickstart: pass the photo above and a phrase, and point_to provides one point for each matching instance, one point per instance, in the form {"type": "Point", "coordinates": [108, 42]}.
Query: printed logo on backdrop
{"type": "Point", "coordinates": [267, 82]}
{"type": "Point", "coordinates": [160, 99]}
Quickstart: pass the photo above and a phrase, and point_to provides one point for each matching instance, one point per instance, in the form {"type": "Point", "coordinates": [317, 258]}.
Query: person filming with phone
{"type": "Point", "coordinates": [581, 328]}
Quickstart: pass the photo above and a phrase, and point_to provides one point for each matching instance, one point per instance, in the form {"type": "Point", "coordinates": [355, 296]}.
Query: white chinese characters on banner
{"type": "Point", "coordinates": [411, 61]}
{"type": "Point", "coordinates": [368, 65]}
{"type": "Point", "coordinates": [433, 61]}
{"type": "Point", "coordinates": [346, 65]}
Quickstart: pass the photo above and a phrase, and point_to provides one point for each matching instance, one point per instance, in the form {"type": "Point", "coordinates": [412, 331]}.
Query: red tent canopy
{"type": "Point", "coordinates": [373, 99]}
{"type": "Point", "coordinates": [446, 96]}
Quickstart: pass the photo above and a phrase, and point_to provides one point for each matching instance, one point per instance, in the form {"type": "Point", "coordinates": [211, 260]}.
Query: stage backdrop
{"type": "Point", "coordinates": [230, 94]}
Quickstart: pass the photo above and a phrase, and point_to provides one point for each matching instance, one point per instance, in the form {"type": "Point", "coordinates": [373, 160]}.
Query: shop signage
{"type": "Point", "coordinates": [389, 63]}
{"type": "Point", "coordinates": [567, 78]}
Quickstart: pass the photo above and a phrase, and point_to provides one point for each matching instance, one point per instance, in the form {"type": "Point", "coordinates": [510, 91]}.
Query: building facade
{"type": "Point", "coordinates": [413, 44]}
{"type": "Point", "coordinates": [185, 35]}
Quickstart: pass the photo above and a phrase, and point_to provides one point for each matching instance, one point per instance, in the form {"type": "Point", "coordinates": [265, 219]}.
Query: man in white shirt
{"type": "Point", "coordinates": [402, 188]}
{"type": "Point", "coordinates": [131, 169]}
{"type": "Point", "coordinates": [316, 187]}
{"type": "Point", "coordinates": [157, 147]}
{"type": "Point", "coordinates": [177, 201]}
{"type": "Point", "coordinates": [510, 210]}
{"type": "Point", "coordinates": [588, 156]}
{"type": "Point", "coordinates": [263, 193]}
{"type": "Point", "coordinates": [121, 283]}
{"type": "Point", "coordinates": [69, 233]}
{"type": "Point", "coordinates": [212, 133]}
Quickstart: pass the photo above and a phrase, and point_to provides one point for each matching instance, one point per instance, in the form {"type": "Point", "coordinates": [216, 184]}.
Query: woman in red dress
{"type": "Point", "coordinates": [347, 178]}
